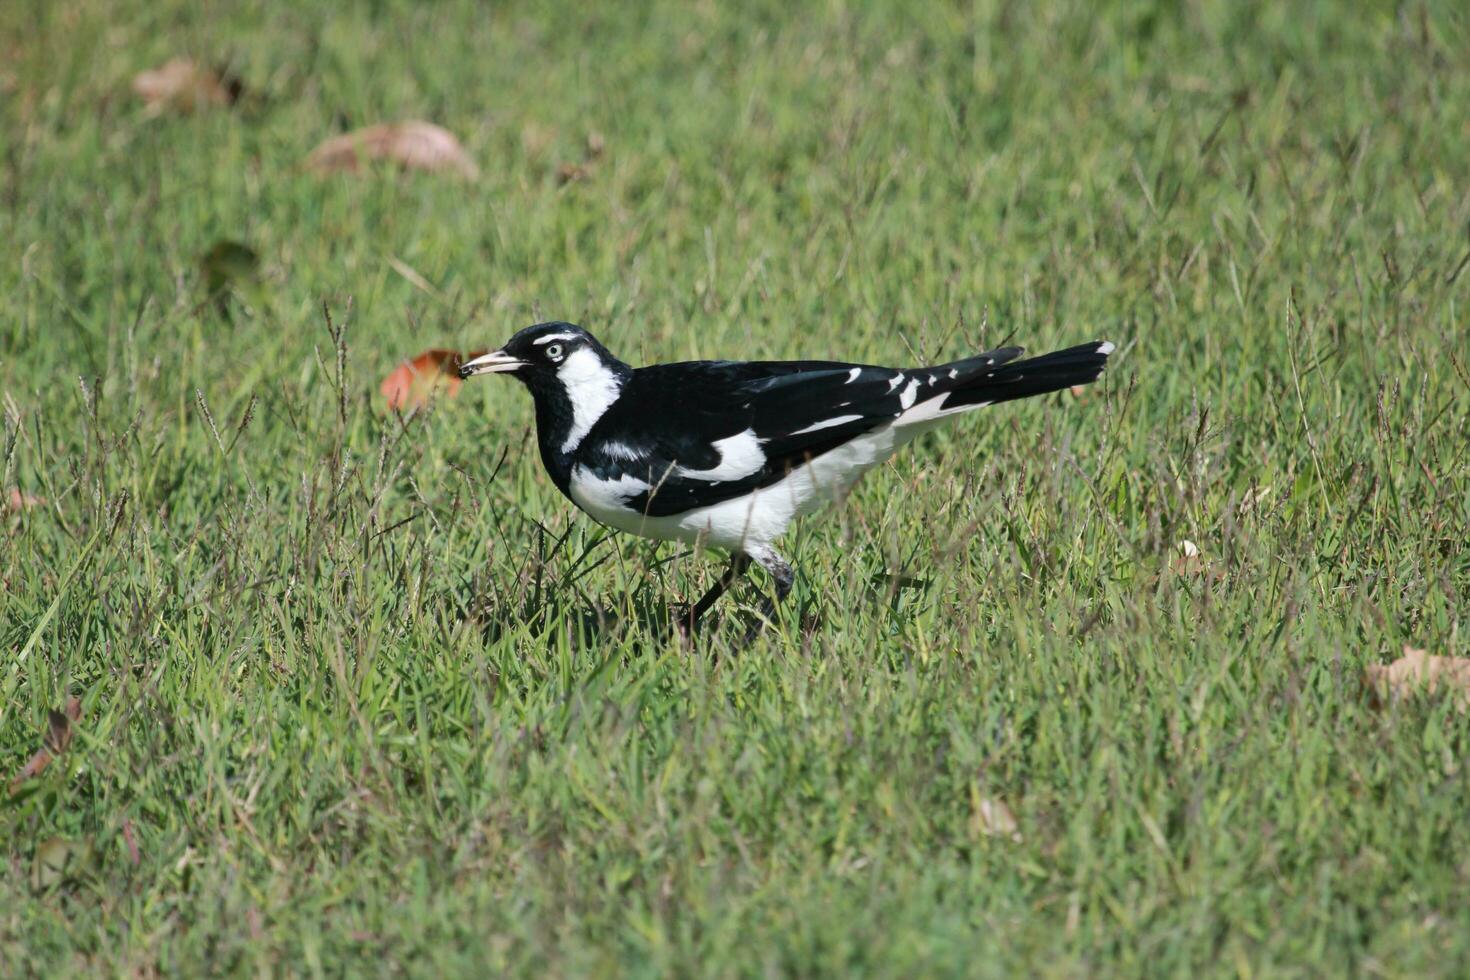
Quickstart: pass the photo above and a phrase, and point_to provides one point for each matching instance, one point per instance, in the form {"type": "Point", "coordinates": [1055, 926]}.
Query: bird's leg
{"type": "Point", "coordinates": [781, 573]}
{"type": "Point", "coordinates": [686, 618]}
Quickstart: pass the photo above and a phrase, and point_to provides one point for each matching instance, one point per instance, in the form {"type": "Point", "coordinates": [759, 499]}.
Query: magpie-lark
{"type": "Point", "coordinates": [728, 453]}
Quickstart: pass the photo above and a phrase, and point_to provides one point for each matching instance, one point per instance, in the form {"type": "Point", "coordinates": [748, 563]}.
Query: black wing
{"type": "Point", "coordinates": [671, 417]}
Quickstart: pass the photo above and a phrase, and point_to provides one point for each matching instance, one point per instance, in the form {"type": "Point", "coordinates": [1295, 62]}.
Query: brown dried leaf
{"type": "Point", "coordinates": [58, 737]}
{"type": "Point", "coordinates": [58, 860]}
{"type": "Point", "coordinates": [991, 817]}
{"type": "Point", "coordinates": [413, 145]}
{"type": "Point", "coordinates": [1186, 558]}
{"type": "Point", "coordinates": [17, 500]}
{"type": "Point", "coordinates": [132, 845]}
{"type": "Point", "coordinates": [1417, 671]}
{"type": "Point", "coordinates": [569, 173]}
{"type": "Point", "coordinates": [592, 149]}
{"type": "Point", "coordinates": [413, 382]}
{"type": "Point", "coordinates": [183, 86]}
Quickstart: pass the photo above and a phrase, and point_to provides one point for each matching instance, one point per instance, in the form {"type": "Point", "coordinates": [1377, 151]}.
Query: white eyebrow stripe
{"type": "Point", "coordinates": [554, 336]}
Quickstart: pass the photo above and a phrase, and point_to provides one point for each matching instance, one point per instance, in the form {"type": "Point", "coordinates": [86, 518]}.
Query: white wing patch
{"type": "Point", "coordinates": [930, 410]}
{"type": "Point", "coordinates": [906, 399]}
{"type": "Point", "coordinates": [606, 500]}
{"type": "Point", "coordinates": [740, 456]}
{"type": "Point", "coordinates": [853, 375]}
{"type": "Point", "coordinates": [621, 450]}
{"type": "Point", "coordinates": [591, 388]}
{"type": "Point", "coordinates": [827, 424]}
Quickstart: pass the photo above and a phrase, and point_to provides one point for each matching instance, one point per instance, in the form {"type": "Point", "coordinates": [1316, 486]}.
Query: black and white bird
{"type": "Point", "coordinates": [726, 454]}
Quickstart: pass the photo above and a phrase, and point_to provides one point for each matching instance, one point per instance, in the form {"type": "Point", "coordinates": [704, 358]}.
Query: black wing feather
{"type": "Point", "coordinates": [670, 415]}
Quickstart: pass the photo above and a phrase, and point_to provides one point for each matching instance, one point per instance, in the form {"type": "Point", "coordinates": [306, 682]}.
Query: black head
{"type": "Point", "coordinates": [572, 378]}
{"type": "Point", "coordinates": [539, 353]}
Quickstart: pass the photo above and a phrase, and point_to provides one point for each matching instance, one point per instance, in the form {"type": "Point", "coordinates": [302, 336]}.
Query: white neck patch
{"type": "Point", "coordinates": [591, 387]}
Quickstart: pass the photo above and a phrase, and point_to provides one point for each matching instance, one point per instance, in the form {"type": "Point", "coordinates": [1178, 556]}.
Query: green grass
{"type": "Point", "coordinates": [366, 696]}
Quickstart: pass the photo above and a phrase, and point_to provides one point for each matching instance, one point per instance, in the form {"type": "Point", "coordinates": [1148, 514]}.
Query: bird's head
{"type": "Point", "coordinates": [544, 354]}
{"type": "Point", "coordinates": [572, 377]}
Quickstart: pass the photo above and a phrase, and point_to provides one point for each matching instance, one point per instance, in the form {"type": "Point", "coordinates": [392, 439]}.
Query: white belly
{"type": "Point", "coordinates": [755, 519]}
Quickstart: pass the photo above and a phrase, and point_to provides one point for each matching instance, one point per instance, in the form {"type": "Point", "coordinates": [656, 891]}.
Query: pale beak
{"type": "Point", "coordinates": [495, 362]}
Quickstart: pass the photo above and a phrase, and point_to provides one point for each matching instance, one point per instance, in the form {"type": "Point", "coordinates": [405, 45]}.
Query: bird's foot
{"type": "Point", "coordinates": [683, 621]}
{"type": "Point", "coordinates": [764, 616]}
{"type": "Point", "coordinates": [751, 635]}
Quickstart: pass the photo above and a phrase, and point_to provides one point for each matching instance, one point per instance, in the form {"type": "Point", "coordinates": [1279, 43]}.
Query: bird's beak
{"type": "Point", "coordinates": [495, 362]}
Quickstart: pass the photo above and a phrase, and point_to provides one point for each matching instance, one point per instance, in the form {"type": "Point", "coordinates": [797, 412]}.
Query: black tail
{"type": "Point", "coordinates": [1078, 365]}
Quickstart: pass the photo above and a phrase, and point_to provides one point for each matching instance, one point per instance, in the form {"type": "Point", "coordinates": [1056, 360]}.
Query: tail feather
{"type": "Point", "coordinates": [1014, 379]}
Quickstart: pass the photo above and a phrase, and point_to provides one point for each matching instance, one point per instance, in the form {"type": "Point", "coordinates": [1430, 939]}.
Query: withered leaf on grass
{"type": "Point", "coordinates": [569, 173]}
{"type": "Point", "coordinates": [413, 145]}
{"type": "Point", "coordinates": [58, 737]}
{"type": "Point", "coordinates": [413, 382]}
{"type": "Point", "coordinates": [1417, 671]}
{"type": "Point", "coordinates": [17, 502]}
{"type": "Point", "coordinates": [1186, 558]}
{"type": "Point", "coordinates": [227, 265]}
{"type": "Point", "coordinates": [592, 149]}
{"type": "Point", "coordinates": [20, 500]}
{"type": "Point", "coordinates": [58, 859]}
{"type": "Point", "coordinates": [990, 817]}
{"type": "Point", "coordinates": [182, 85]}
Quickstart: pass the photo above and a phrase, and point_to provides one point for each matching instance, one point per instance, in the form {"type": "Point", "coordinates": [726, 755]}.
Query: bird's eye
{"type": "Point", "coordinates": [553, 351]}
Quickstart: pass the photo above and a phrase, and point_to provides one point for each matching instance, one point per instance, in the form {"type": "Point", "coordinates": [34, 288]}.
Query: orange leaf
{"type": "Point", "coordinates": [1416, 670]}
{"type": "Point", "coordinates": [58, 737]}
{"type": "Point", "coordinates": [413, 382]}
{"type": "Point", "coordinates": [413, 145]}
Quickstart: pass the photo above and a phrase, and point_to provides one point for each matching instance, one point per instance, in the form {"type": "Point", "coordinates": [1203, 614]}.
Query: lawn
{"type": "Point", "coordinates": [360, 693]}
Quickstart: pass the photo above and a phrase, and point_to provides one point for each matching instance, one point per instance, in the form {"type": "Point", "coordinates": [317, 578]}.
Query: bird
{"type": "Point", "coordinates": [725, 455]}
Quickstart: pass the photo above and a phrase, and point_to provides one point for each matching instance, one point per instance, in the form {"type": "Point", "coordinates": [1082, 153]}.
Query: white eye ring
{"type": "Point", "coordinates": [553, 351]}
